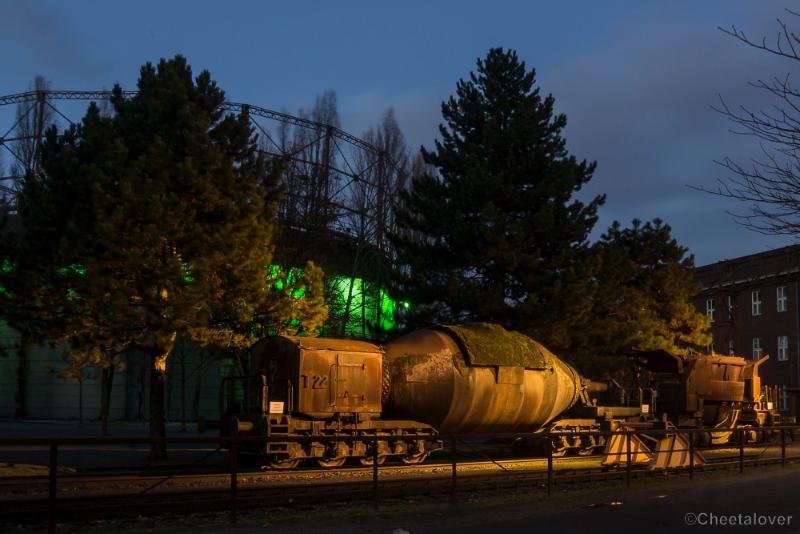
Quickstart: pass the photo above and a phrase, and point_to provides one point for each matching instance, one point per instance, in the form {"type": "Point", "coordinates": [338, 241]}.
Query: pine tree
{"type": "Point", "coordinates": [496, 235]}
{"type": "Point", "coordinates": [642, 299]}
{"type": "Point", "coordinates": [154, 221]}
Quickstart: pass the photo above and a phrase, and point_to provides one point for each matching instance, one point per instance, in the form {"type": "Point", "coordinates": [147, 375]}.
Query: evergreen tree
{"type": "Point", "coordinates": [154, 221]}
{"type": "Point", "coordinates": [496, 235]}
{"type": "Point", "coordinates": [642, 299]}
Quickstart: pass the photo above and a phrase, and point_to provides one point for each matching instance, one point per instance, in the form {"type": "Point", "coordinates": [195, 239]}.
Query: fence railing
{"type": "Point", "coordinates": [625, 455]}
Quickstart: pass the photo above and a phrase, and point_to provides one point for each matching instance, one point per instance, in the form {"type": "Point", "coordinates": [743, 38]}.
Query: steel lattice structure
{"type": "Point", "coordinates": [354, 173]}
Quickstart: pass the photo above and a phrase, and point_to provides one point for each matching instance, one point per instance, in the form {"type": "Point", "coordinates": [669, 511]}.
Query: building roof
{"type": "Point", "coordinates": [751, 268]}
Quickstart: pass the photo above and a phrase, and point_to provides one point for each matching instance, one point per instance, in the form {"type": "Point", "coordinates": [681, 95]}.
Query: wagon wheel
{"type": "Point", "coordinates": [337, 456]}
{"type": "Point", "coordinates": [367, 460]}
{"type": "Point", "coordinates": [558, 446]}
{"type": "Point", "coordinates": [416, 458]}
{"type": "Point", "coordinates": [329, 463]}
{"type": "Point", "coordinates": [383, 451]}
{"type": "Point", "coordinates": [588, 444]}
{"type": "Point", "coordinates": [284, 463]}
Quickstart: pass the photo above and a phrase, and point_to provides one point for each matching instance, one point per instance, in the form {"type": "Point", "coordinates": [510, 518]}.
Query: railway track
{"type": "Point", "coordinates": [213, 492]}
{"type": "Point", "coordinates": [78, 481]}
{"type": "Point", "coordinates": [187, 477]}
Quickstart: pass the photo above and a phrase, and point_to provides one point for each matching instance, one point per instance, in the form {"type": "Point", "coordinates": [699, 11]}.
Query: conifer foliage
{"type": "Point", "coordinates": [642, 299]}
{"type": "Point", "coordinates": [150, 222]}
{"type": "Point", "coordinates": [495, 233]}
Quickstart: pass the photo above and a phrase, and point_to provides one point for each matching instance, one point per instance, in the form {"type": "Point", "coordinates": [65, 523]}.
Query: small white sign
{"type": "Point", "coordinates": [645, 408]}
{"type": "Point", "coordinates": [276, 407]}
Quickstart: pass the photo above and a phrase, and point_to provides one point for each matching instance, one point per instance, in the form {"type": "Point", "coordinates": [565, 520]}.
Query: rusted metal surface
{"type": "Point", "coordinates": [708, 389]}
{"type": "Point", "coordinates": [432, 380]}
{"type": "Point", "coordinates": [321, 377]}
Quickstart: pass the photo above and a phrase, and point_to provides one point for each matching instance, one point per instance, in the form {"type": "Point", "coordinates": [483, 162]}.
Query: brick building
{"type": "Point", "coordinates": [753, 303]}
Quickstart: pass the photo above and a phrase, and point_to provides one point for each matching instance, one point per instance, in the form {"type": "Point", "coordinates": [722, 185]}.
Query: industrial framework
{"type": "Point", "coordinates": [338, 188]}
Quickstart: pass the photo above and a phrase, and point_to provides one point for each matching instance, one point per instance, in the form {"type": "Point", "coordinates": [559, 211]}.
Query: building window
{"type": "Point", "coordinates": [782, 300]}
{"type": "Point", "coordinates": [731, 350]}
{"type": "Point", "coordinates": [783, 348]}
{"type": "Point", "coordinates": [784, 404]}
{"type": "Point", "coordinates": [755, 298]}
{"type": "Point", "coordinates": [710, 310]}
{"type": "Point", "coordinates": [757, 350]}
{"type": "Point", "coordinates": [730, 307]}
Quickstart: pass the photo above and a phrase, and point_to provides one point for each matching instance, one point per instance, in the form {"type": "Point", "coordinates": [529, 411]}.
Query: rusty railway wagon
{"type": "Point", "coordinates": [474, 378]}
{"type": "Point", "coordinates": [322, 389]}
{"type": "Point", "coordinates": [712, 391]}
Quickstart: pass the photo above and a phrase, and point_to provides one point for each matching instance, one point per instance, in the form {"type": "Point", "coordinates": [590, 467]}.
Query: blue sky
{"type": "Point", "coordinates": [636, 79]}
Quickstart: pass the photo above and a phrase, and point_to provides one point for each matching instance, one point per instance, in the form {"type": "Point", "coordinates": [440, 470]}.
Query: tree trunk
{"type": "Point", "coordinates": [196, 398]}
{"type": "Point", "coordinates": [183, 391]}
{"type": "Point", "coordinates": [80, 400]}
{"type": "Point", "coordinates": [158, 427]}
{"type": "Point", "coordinates": [20, 408]}
{"type": "Point", "coordinates": [107, 380]}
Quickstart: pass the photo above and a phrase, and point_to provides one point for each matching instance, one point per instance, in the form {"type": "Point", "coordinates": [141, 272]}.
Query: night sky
{"type": "Point", "coordinates": [636, 79]}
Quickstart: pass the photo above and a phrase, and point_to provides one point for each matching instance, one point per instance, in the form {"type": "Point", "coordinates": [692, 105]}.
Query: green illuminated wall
{"type": "Point", "coordinates": [359, 308]}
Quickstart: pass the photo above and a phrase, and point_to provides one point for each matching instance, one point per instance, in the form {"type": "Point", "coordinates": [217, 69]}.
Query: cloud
{"type": "Point", "coordinates": [641, 107]}
{"type": "Point", "coordinates": [38, 37]}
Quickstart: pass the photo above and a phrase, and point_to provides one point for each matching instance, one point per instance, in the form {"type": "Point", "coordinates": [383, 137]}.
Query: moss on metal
{"type": "Point", "coordinates": [491, 344]}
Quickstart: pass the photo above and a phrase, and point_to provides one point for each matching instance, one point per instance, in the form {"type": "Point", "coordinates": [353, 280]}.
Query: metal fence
{"type": "Point", "coordinates": [624, 456]}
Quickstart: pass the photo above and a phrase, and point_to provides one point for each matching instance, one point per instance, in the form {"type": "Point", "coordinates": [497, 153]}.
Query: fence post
{"type": "Point", "coordinates": [691, 436]}
{"type": "Point", "coordinates": [375, 470]}
{"type": "Point", "coordinates": [741, 451]}
{"type": "Point", "coordinates": [549, 445]}
{"type": "Point", "coordinates": [232, 450]}
{"type": "Point", "coordinates": [783, 447]}
{"type": "Point", "coordinates": [453, 476]}
{"type": "Point", "coordinates": [628, 457]}
{"type": "Point", "coordinates": [51, 501]}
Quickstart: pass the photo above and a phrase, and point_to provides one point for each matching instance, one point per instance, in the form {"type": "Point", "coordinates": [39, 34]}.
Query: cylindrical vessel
{"type": "Point", "coordinates": [476, 378]}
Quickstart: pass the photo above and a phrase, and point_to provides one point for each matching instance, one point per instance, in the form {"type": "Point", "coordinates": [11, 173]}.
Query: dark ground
{"type": "Point", "coordinates": [647, 507]}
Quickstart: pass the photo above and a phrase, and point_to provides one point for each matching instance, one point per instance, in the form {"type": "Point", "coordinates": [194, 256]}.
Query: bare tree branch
{"type": "Point", "coordinates": [769, 185]}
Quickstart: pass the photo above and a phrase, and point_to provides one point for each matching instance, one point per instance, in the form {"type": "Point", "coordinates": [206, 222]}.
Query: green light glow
{"type": "Point", "coordinates": [366, 308]}
{"type": "Point", "coordinates": [75, 268]}
{"type": "Point", "coordinates": [6, 266]}
{"type": "Point", "coordinates": [273, 272]}
{"type": "Point", "coordinates": [280, 279]}
{"type": "Point", "coordinates": [186, 273]}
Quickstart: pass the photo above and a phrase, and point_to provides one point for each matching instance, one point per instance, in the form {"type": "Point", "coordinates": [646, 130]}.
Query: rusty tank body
{"type": "Point", "coordinates": [477, 378]}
